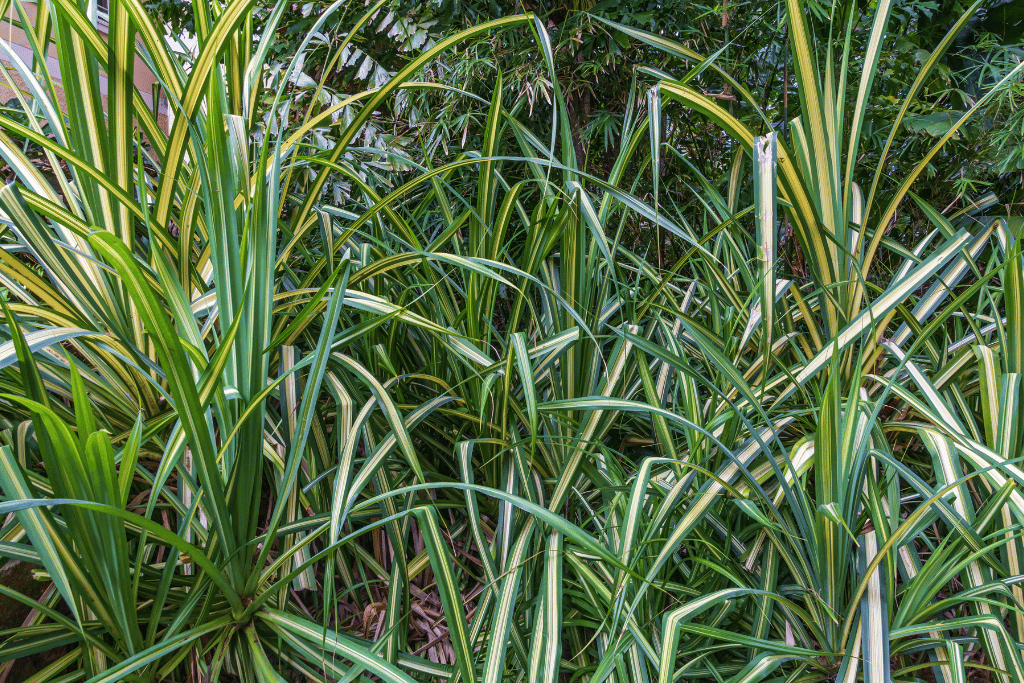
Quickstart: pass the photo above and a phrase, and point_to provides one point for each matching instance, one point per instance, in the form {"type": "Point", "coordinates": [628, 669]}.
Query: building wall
{"type": "Point", "coordinates": [15, 38]}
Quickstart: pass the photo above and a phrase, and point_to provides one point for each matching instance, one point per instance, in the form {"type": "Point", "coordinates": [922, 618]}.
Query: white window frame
{"type": "Point", "coordinates": [102, 20]}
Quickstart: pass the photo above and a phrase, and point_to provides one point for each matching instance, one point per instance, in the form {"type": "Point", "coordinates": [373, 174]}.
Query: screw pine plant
{"type": "Point", "coordinates": [816, 344]}
{"type": "Point", "coordinates": [456, 428]}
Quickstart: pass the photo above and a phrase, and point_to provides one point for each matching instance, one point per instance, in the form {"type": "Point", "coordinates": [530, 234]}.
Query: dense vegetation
{"type": "Point", "coordinates": [470, 343]}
